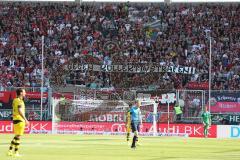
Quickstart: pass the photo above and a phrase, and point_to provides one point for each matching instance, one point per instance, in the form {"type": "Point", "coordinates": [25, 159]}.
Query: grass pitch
{"type": "Point", "coordinates": [84, 147]}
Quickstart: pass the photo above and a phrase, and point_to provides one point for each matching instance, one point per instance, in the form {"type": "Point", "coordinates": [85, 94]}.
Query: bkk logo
{"type": "Point", "coordinates": [7, 127]}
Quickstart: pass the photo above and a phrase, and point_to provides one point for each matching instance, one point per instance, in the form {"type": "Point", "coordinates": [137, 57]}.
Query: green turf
{"type": "Point", "coordinates": [79, 147]}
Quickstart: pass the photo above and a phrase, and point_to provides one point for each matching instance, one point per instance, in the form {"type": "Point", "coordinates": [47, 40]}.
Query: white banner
{"type": "Point", "coordinates": [131, 68]}
{"type": "Point", "coordinates": [228, 131]}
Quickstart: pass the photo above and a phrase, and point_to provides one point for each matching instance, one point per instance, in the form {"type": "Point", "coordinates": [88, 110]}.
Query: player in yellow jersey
{"type": "Point", "coordinates": [19, 121]}
{"type": "Point", "coordinates": [128, 123]}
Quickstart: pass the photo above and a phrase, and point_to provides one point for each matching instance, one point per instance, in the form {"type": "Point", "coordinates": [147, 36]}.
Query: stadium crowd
{"type": "Point", "coordinates": [119, 34]}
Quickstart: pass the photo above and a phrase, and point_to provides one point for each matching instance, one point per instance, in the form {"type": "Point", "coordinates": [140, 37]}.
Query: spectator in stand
{"type": "Point", "coordinates": [117, 34]}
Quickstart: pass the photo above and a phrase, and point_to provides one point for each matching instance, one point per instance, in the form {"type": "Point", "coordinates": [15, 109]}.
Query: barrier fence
{"type": "Point", "coordinates": [225, 105]}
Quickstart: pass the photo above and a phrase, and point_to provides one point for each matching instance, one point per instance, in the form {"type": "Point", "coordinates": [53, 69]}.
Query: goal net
{"type": "Point", "coordinates": [89, 116]}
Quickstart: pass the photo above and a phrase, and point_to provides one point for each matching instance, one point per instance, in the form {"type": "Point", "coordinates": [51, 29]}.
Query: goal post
{"type": "Point", "coordinates": [99, 112]}
{"type": "Point", "coordinates": [90, 116]}
{"type": "Point", "coordinates": [154, 104]}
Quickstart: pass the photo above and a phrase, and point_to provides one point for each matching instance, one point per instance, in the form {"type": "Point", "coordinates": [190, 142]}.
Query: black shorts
{"type": "Point", "coordinates": [16, 121]}
{"type": "Point", "coordinates": [135, 125]}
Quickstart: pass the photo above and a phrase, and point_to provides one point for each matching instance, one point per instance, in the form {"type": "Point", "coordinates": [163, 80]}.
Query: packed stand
{"type": "Point", "coordinates": [119, 34]}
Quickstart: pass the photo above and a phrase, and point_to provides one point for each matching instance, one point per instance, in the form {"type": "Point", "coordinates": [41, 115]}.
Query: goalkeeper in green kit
{"type": "Point", "coordinates": [206, 117]}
